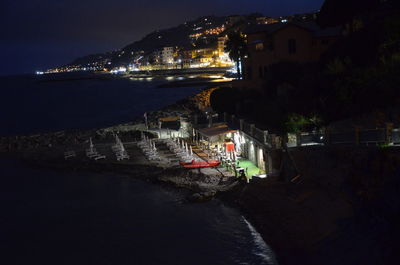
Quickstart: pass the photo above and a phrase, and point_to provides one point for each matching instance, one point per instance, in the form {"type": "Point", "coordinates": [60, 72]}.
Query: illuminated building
{"type": "Point", "coordinates": [211, 31]}
{"type": "Point", "coordinates": [168, 55]}
{"type": "Point", "coordinates": [266, 20]}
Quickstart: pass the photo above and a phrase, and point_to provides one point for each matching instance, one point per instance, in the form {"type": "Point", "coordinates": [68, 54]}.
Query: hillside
{"type": "Point", "coordinates": [201, 32]}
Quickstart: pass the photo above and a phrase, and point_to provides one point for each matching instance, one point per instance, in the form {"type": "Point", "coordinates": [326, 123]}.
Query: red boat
{"type": "Point", "coordinates": [200, 164]}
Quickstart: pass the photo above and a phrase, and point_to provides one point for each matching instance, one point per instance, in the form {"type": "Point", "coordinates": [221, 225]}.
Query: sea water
{"type": "Point", "coordinates": [36, 103]}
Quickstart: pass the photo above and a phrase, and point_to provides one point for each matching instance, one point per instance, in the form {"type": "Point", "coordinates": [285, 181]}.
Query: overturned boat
{"type": "Point", "coordinates": [200, 164]}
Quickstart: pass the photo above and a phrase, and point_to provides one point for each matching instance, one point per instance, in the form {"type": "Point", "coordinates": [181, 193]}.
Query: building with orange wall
{"type": "Point", "coordinates": [283, 42]}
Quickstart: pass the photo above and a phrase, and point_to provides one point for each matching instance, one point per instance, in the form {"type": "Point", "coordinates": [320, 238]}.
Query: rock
{"type": "Point", "coordinates": [202, 197]}
{"type": "Point", "coordinates": [195, 197]}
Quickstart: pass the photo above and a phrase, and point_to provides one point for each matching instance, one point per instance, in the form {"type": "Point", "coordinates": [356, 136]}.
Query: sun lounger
{"type": "Point", "coordinates": [99, 157]}
{"type": "Point", "coordinates": [93, 155]}
{"type": "Point", "coordinates": [69, 154]}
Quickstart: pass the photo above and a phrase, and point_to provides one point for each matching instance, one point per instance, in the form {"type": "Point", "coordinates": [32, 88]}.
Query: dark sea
{"type": "Point", "coordinates": [51, 217]}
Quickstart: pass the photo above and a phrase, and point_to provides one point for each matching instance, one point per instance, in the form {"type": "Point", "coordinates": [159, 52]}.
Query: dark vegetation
{"type": "Point", "coordinates": [236, 48]}
{"type": "Point", "coordinates": [359, 74]}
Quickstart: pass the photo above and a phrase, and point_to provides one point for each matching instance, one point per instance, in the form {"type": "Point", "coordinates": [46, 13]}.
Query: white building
{"type": "Point", "coordinates": [168, 55]}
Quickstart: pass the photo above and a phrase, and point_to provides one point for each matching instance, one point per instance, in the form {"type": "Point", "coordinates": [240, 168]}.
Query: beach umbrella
{"type": "Point", "coordinates": [121, 146]}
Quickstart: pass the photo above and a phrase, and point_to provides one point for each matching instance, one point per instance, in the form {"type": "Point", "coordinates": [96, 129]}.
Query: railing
{"type": "Point", "coordinates": [352, 137]}
{"type": "Point", "coordinates": [247, 128]}
{"type": "Point", "coordinates": [356, 136]}
{"type": "Point", "coordinates": [342, 138]}
{"type": "Point", "coordinates": [377, 136]}
{"type": "Point", "coordinates": [396, 136]}
{"type": "Point", "coordinates": [314, 138]}
{"type": "Point", "coordinates": [260, 135]}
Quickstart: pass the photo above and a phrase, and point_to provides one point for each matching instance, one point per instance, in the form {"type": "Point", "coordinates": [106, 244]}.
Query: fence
{"type": "Point", "coordinates": [396, 136]}
{"type": "Point", "coordinates": [356, 136]}
{"type": "Point", "coordinates": [263, 137]}
{"type": "Point", "coordinates": [377, 136]}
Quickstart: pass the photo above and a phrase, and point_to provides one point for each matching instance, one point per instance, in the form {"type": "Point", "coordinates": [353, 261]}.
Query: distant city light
{"type": "Point", "coordinates": [119, 70]}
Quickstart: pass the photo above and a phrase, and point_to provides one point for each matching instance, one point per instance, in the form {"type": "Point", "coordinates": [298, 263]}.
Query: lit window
{"type": "Point", "coordinates": [259, 46]}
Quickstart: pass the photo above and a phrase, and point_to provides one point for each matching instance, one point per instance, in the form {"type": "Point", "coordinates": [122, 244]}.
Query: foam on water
{"type": "Point", "coordinates": [262, 248]}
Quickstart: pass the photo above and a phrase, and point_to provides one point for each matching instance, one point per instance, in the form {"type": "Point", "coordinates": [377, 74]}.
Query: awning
{"type": "Point", "coordinates": [215, 131]}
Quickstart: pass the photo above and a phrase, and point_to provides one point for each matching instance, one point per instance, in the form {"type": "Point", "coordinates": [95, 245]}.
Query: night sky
{"type": "Point", "coordinates": [38, 34]}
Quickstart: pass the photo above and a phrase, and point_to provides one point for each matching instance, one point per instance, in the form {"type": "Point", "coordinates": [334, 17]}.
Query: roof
{"type": "Point", "coordinates": [268, 28]}
{"type": "Point", "coordinates": [329, 32]}
{"type": "Point", "coordinates": [214, 131]}
{"type": "Point", "coordinates": [309, 26]}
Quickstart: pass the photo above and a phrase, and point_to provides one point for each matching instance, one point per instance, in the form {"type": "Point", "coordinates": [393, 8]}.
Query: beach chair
{"type": "Point", "coordinates": [69, 154]}
{"type": "Point", "coordinates": [99, 157]}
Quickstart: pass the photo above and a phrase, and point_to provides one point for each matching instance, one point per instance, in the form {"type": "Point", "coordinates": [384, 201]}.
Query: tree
{"type": "Point", "coordinates": [236, 47]}
{"type": "Point", "coordinates": [340, 12]}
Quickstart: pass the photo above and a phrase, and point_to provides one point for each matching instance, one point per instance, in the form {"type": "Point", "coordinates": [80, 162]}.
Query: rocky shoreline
{"type": "Point", "coordinates": [200, 186]}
